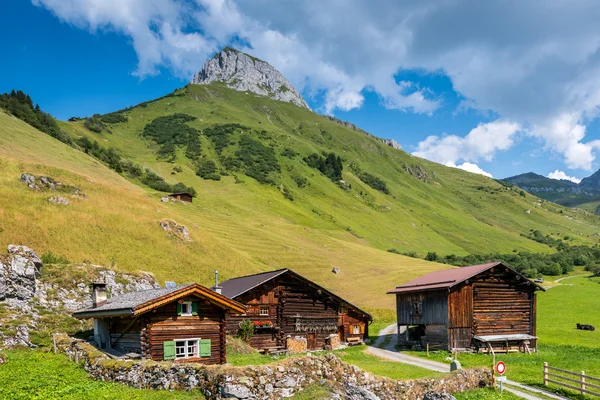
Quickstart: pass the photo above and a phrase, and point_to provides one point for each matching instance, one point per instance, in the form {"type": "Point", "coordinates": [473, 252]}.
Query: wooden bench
{"type": "Point", "coordinates": [354, 341]}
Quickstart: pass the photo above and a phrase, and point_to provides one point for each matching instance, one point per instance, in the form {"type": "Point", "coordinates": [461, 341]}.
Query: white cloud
{"type": "Point", "coordinates": [481, 143]}
{"type": "Point", "coordinates": [470, 167]}
{"type": "Point", "coordinates": [560, 175]}
{"type": "Point", "coordinates": [535, 63]}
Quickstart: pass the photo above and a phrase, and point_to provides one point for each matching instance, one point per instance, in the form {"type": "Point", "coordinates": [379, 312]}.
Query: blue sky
{"type": "Point", "coordinates": [485, 87]}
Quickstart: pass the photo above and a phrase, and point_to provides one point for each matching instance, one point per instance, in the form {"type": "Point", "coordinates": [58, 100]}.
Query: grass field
{"type": "Point", "coordinates": [33, 374]}
{"type": "Point", "coordinates": [573, 300]}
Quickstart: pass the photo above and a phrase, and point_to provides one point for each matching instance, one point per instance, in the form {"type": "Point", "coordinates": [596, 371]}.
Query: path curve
{"type": "Point", "coordinates": [389, 352]}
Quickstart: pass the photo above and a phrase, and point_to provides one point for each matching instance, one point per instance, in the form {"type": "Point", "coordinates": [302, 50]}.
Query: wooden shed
{"type": "Point", "coordinates": [489, 305]}
{"type": "Point", "coordinates": [283, 304]}
{"type": "Point", "coordinates": [184, 323]}
{"type": "Point", "coordinates": [184, 196]}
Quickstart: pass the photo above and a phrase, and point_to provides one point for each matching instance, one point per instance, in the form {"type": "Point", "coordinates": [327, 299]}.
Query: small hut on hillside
{"type": "Point", "coordinates": [489, 305]}
{"type": "Point", "coordinates": [184, 196]}
{"type": "Point", "coordinates": [184, 323]}
{"type": "Point", "coordinates": [286, 307]}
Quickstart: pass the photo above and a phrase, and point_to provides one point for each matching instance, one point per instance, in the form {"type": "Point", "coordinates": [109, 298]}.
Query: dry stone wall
{"type": "Point", "coordinates": [275, 381]}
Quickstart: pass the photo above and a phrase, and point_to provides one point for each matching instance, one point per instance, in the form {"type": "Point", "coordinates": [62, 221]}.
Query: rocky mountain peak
{"type": "Point", "coordinates": [243, 72]}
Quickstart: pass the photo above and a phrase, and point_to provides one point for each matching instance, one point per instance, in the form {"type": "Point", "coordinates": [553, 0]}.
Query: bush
{"type": "Point", "coordinates": [330, 166]}
{"type": "Point", "coordinates": [207, 169]}
{"type": "Point", "coordinates": [113, 118]}
{"type": "Point", "coordinates": [246, 330]}
{"type": "Point", "coordinates": [393, 251]}
{"type": "Point", "coordinates": [95, 124]}
{"type": "Point", "coordinates": [373, 181]}
{"type": "Point", "coordinates": [221, 135]}
{"type": "Point", "coordinates": [289, 153]}
{"type": "Point", "coordinates": [171, 131]}
{"type": "Point", "coordinates": [259, 161]}
{"type": "Point", "coordinates": [431, 256]}
{"type": "Point", "coordinates": [286, 193]}
{"type": "Point", "coordinates": [300, 181]}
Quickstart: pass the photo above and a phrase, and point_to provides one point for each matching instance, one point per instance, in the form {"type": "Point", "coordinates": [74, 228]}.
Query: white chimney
{"type": "Point", "coordinates": [98, 294]}
{"type": "Point", "coordinates": [217, 288]}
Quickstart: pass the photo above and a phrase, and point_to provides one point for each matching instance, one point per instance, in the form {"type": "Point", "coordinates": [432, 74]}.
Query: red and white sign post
{"type": "Point", "coordinates": [501, 369]}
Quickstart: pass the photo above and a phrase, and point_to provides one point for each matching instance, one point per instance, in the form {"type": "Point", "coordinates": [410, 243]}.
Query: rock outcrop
{"type": "Point", "coordinates": [27, 298]}
{"type": "Point", "coordinates": [243, 72]}
{"type": "Point", "coordinates": [175, 229]}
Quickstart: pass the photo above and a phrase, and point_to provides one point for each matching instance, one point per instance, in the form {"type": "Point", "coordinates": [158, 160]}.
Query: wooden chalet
{"type": "Point", "coordinates": [489, 305]}
{"type": "Point", "coordinates": [284, 304]}
{"type": "Point", "coordinates": [180, 323]}
{"type": "Point", "coordinates": [184, 196]}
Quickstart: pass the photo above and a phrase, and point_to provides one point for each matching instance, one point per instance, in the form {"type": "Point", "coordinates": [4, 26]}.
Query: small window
{"type": "Point", "coordinates": [187, 348]}
{"type": "Point", "coordinates": [356, 329]}
{"type": "Point", "coordinates": [186, 309]}
{"type": "Point", "coordinates": [416, 308]}
{"type": "Point", "coordinates": [263, 311]}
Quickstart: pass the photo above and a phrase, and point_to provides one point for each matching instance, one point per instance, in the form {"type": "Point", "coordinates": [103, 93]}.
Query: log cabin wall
{"type": "Point", "coordinates": [296, 309]}
{"type": "Point", "coordinates": [264, 296]}
{"type": "Point", "coordinates": [502, 304]}
{"type": "Point", "coordinates": [460, 317]}
{"type": "Point", "coordinates": [125, 334]}
{"type": "Point", "coordinates": [422, 308]}
{"type": "Point", "coordinates": [163, 324]}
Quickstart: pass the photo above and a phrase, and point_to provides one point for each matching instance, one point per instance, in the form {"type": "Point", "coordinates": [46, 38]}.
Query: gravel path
{"type": "Point", "coordinates": [384, 348]}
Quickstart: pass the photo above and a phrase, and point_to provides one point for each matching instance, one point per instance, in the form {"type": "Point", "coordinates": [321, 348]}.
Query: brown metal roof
{"type": "Point", "coordinates": [237, 286]}
{"type": "Point", "coordinates": [448, 278]}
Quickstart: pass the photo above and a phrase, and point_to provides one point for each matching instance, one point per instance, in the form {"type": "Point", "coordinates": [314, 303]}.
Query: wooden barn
{"type": "Point", "coordinates": [184, 323]}
{"type": "Point", "coordinates": [487, 306]}
{"type": "Point", "coordinates": [182, 197]}
{"type": "Point", "coordinates": [283, 304]}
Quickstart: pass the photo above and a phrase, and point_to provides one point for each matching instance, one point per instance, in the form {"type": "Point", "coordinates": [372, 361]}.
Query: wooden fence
{"type": "Point", "coordinates": [572, 380]}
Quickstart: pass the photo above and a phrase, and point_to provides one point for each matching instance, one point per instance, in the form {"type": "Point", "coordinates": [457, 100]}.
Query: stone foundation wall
{"type": "Point", "coordinates": [297, 344]}
{"type": "Point", "coordinates": [275, 381]}
{"type": "Point", "coordinates": [334, 342]}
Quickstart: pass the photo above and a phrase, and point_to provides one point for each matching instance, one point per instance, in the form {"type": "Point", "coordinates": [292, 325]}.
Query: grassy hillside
{"type": "Point", "coordinates": [118, 225]}
{"type": "Point", "coordinates": [430, 207]}
{"type": "Point", "coordinates": [239, 225]}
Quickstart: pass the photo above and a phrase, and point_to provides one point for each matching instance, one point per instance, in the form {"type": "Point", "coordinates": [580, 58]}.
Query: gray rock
{"type": "Point", "coordinates": [164, 199]}
{"type": "Point", "coordinates": [244, 73]}
{"type": "Point", "coordinates": [433, 395]}
{"type": "Point", "coordinates": [58, 200]}
{"type": "Point", "coordinates": [232, 391]}
{"type": "Point", "coordinates": [354, 392]}
{"type": "Point", "coordinates": [30, 181]}
{"type": "Point", "coordinates": [392, 143]}
{"type": "Point", "coordinates": [175, 229]}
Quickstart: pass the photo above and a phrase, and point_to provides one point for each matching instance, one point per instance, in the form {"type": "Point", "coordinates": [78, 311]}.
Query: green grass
{"type": "Point", "coordinates": [356, 356]}
{"type": "Point", "coordinates": [33, 374]}
{"type": "Point", "coordinates": [313, 392]}
{"type": "Point", "coordinates": [485, 394]}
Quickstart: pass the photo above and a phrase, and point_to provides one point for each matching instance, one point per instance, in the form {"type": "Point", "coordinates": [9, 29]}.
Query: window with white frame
{"type": "Point", "coordinates": [186, 309]}
{"type": "Point", "coordinates": [263, 311]}
{"type": "Point", "coordinates": [188, 348]}
{"type": "Point", "coordinates": [355, 329]}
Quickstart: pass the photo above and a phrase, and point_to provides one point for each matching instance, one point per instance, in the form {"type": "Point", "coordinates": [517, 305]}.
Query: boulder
{"type": "Point", "coordinates": [58, 200]}
{"type": "Point", "coordinates": [433, 395]}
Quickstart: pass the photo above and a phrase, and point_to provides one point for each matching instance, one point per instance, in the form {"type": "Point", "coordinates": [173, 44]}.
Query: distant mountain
{"type": "Point", "coordinates": [243, 72]}
{"type": "Point", "coordinates": [586, 194]}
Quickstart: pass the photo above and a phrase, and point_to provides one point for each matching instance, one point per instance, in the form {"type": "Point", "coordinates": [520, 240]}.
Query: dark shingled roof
{"type": "Point", "coordinates": [126, 304]}
{"type": "Point", "coordinates": [237, 286]}
{"type": "Point", "coordinates": [448, 278]}
{"type": "Point", "coordinates": [128, 301]}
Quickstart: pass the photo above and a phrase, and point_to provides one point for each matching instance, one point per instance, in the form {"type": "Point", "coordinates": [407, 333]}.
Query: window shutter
{"type": "Point", "coordinates": [194, 308]}
{"type": "Point", "coordinates": [362, 329]}
{"type": "Point", "coordinates": [178, 309]}
{"type": "Point", "coordinates": [169, 350]}
{"type": "Point", "coordinates": [205, 348]}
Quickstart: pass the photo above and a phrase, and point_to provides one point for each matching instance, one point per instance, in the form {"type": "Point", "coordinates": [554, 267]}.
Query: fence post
{"type": "Point", "coordinates": [427, 349]}
{"type": "Point", "coordinates": [582, 382]}
{"type": "Point", "coordinates": [545, 374]}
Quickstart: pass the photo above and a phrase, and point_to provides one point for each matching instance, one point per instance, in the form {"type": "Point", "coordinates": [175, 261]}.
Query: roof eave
{"type": "Point", "coordinates": [120, 312]}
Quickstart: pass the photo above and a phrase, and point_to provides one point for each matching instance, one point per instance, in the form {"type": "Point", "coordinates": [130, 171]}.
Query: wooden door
{"type": "Point", "coordinates": [341, 333]}
{"type": "Point", "coordinates": [311, 341]}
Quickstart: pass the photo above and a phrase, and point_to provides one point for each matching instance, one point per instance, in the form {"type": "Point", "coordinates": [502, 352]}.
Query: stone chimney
{"type": "Point", "coordinates": [217, 288]}
{"type": "Point", "coordinates": [98, 294]}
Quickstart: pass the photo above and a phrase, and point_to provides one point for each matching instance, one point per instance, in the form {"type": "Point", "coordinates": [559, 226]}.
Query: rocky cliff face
{"type": "Point", "coordinates": [242, 72]}
{"type": "Point", "coordinates": [31, 303]}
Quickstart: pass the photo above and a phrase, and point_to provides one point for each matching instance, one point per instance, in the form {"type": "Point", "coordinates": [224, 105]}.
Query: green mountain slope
{"type": "Point", "coordinates": [117, 226]}
{"type": "Point", "coordinates": [430, 207]}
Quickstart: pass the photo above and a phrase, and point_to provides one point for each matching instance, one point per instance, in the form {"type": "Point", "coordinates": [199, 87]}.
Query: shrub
{"type": "Point", "coordinates": [431, 256]}
{"type": "Point", "coordinates": [393, 251]}
{"type": "Point", "coordinates": [221, 135]}
{"type": "Point", "coordinates": [289, 153]}
{"type": "Point", "coordinates": [300, 181]}
{"type": "Point", "coordinates": [246, 330]}
{"type": "Point", "coordinates": [330, 166]}
{"type": "Point", "coordinates": [113, 118]}
{"type": "Point", "coordinates": [171, 131]}
{"type": "Point", "coordinates": [259, 161]}
{"type": "Point", "coordinates": [286, 193]}
{"type": "Point", "coordinates": [207, 169]}
{"type": "Point", "coordinates": [373, 181]}
{"type": "Point", "coordinates": [95, 124]}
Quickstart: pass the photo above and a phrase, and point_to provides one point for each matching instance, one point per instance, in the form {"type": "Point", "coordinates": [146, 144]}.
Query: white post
{"type": "Point", "coordinates": [545, 374]}
{"type": "Point", "coordinates": [582, 383]}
